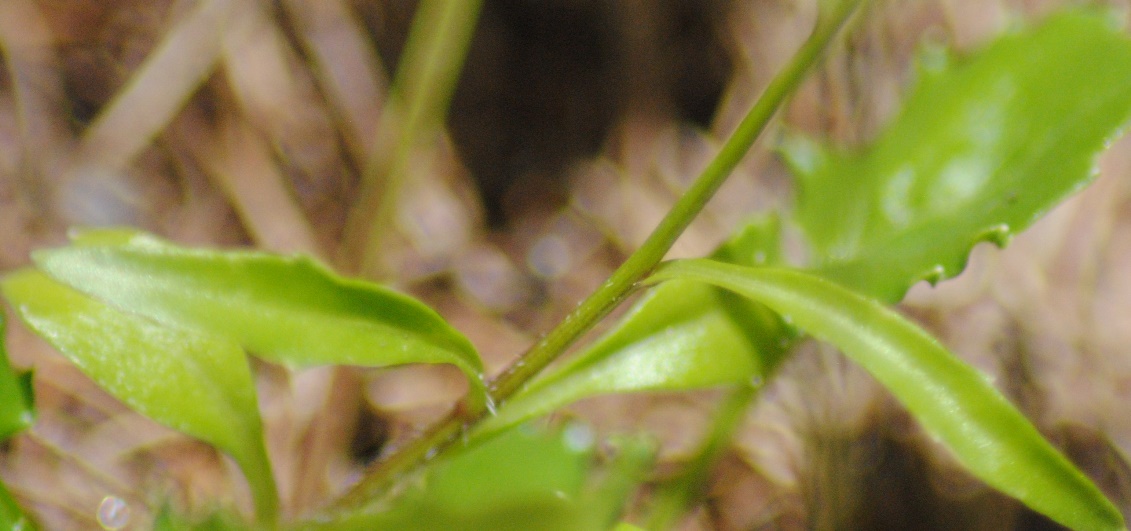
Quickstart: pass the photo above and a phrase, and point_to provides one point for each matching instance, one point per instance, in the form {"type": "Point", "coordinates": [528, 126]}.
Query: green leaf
{"type": "Point", "coordinates": [521, 480]}
{"type": "Point", "coordinates": [955, 403]}
{"type": "Point", "coordinates": [983, 147]}
{"type": "Point", "coordinates": [286, 309]}
{"type": "Point", "coordinates": [220, 520]}
{"type": "Point", "coordinates": [192, 382]}
{"type": "Point", "coordinates": [16, 397]}
{"type": "Point", "coordinates": [605, 503]}
{"type": "Point", "coordinates": [17, 413]}
{"type": "Point", "coordinates": [679, 336]}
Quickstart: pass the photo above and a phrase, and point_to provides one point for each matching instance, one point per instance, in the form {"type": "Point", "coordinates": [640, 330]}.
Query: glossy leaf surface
{"type": "Point", "coordinates": [679, 336]}
{"type": "Point", "coordinates": [286, 309]}
{"type": "Point", "coordinates": [955, 403]}
{"type": "Point", "coordinates": [192, 382]}
{"type": "Point", "coordinates": [983, 147]}
{"type": "Point", "coordinates": [521, 480]}
{"type": "Point", "coordinates": [16, 398]}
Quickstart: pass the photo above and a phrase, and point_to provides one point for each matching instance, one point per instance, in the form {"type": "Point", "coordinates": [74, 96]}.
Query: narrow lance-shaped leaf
{"type": "Point", "coordinates": [955, 403]}
{"type": "Point", "coordinates": [984, 146]}
{"type": "Point", "coordinates": [286, 309]}
{"type": "Point", "coordinates": [679, 336]}
{"type": "Point", "coordinates": [195, 383]}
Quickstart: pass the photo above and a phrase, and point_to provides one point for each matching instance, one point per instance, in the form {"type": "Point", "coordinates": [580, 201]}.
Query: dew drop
{"type": "Point", "coordinates": [113, 513]}
{"type": "Point", "coordinates": [760, 257]}
{"type": "Point", "coordinates": [578, 437]}
{"type": "Point", "coordinates": [550, 257]}
{"type": "Point", "coordinates": [489, 403]}
{"type": "Point", "coordinates": [933, 55]}
{"type": "Point", "coordinates": [756, 381]}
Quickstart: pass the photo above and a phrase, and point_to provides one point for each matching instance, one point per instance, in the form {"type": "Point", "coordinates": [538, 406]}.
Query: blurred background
{"type": "Point", "coordinates": [572, 128]}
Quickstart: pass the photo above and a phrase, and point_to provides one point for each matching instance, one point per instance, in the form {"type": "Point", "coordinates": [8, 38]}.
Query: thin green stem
{"type": "Point", "coordinates": [623, 281]}
{"type": "Point", "coordinates": [264, 493]}
{"type": "Point", "coordinates": [678, 495]}
{"type": "Point", "coordinates": [413, 116]}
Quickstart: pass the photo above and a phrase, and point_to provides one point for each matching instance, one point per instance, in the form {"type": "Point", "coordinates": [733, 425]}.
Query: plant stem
{"type": "Point", "coordinates": [413, 115]}
{"type": "Point", "coordinates": [256, 467]}
{"type": "Point", "coordinates": [677, 495]}
{"type": "Point", "coordinates": [641, 262]}
{"type": "Point", "coordinates": [623, 281]}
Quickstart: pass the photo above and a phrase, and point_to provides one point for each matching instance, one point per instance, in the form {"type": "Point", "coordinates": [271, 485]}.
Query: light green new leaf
{"type": "Point", "coordinates": [955, 403]}
{"type": "Point", "coordinates": [679, 336]}
{"type": "Point", "coordinates": [521, 480]}
{"type": "Point", "coordinates": [983, 147]}
{"type": "Point", "coordinates": [16, 397]}
{"type": "Point", "coordinates": [192, 382]}
{"type": "Point", "coordinates": [286, 309]}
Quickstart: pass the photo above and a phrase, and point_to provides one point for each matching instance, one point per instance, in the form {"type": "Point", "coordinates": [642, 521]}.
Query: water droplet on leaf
{"type": "Point", "coordinates": [578, 437]}
{"type": "Point", "coordinates": [113, 513]}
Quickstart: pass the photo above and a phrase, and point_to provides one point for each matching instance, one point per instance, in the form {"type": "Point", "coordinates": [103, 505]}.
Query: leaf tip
{"type": "Point", "coordinates": [1000, 235]}
{"type": "Point", "coordinates": [934, 275]}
